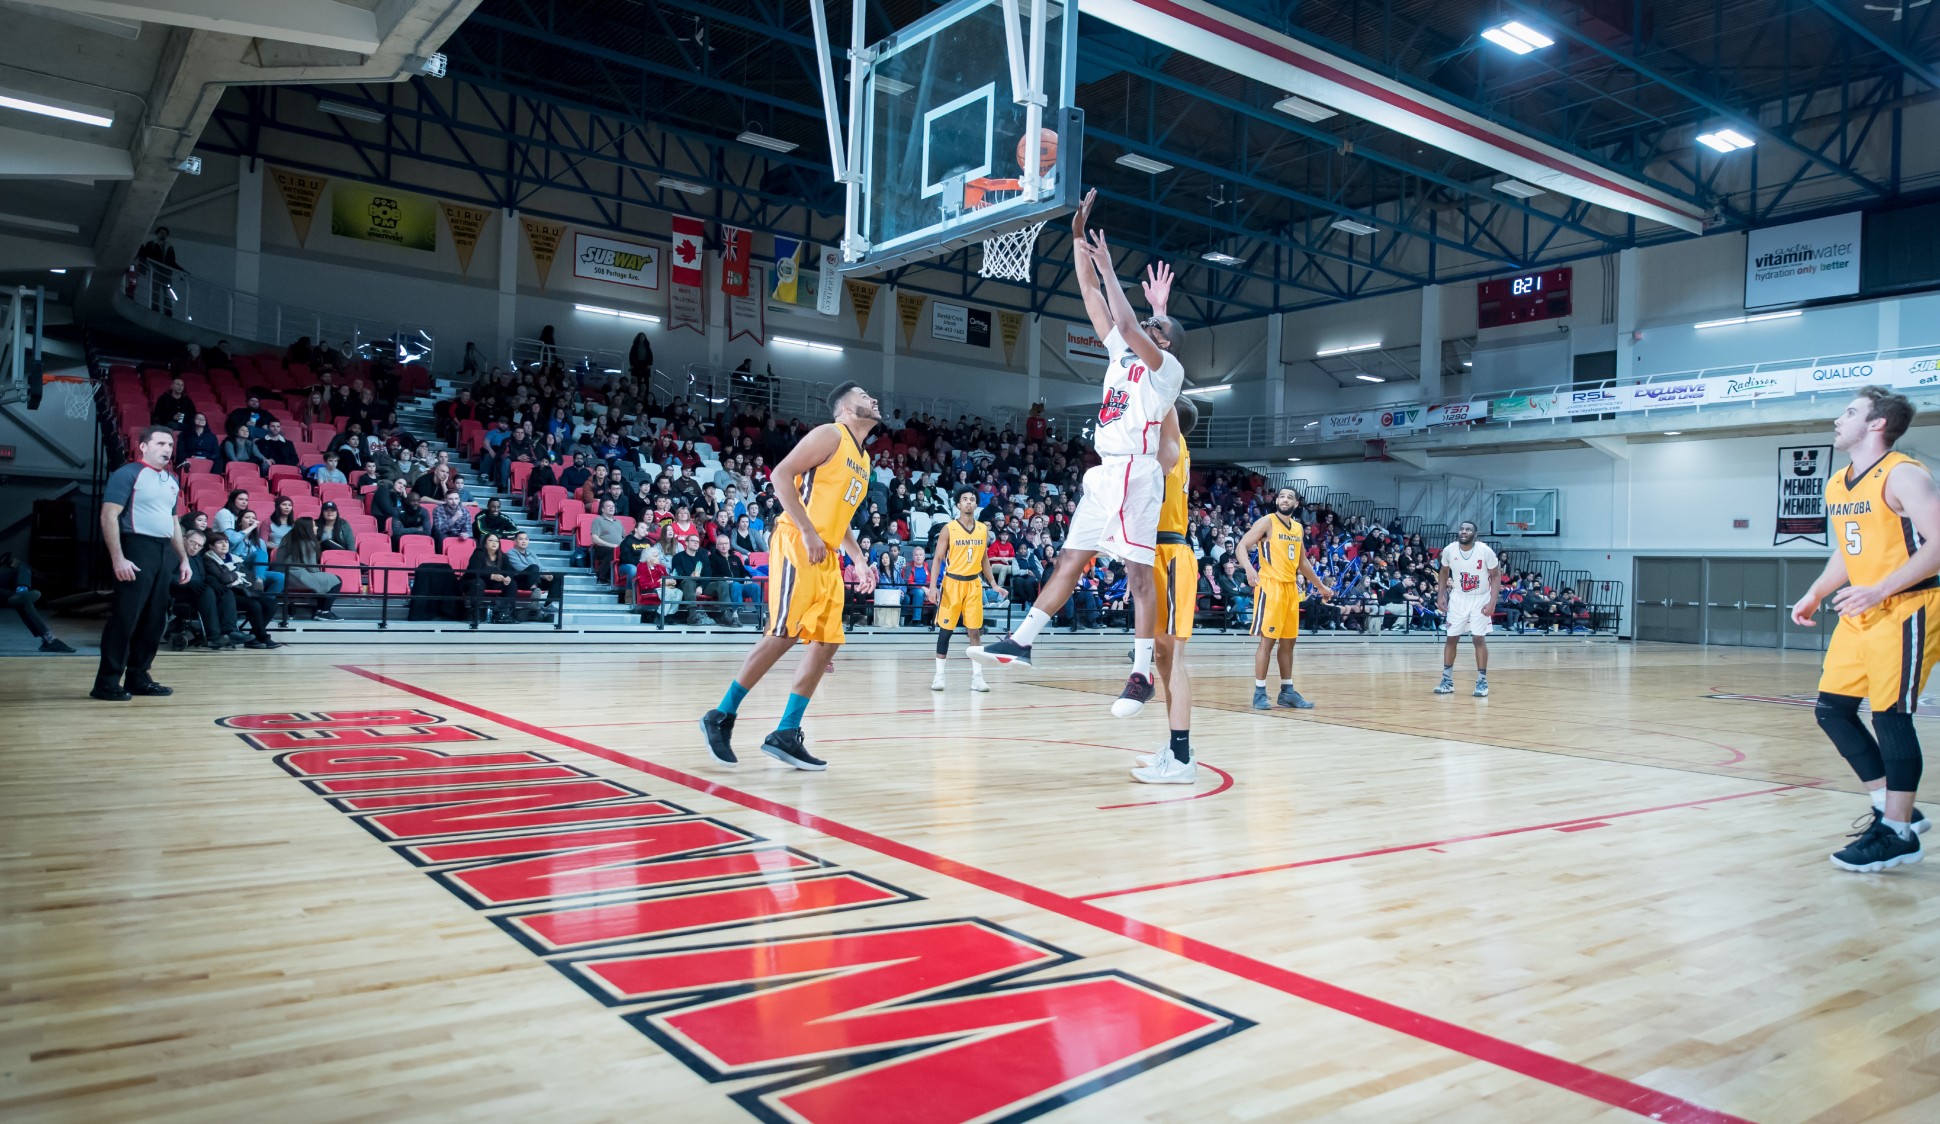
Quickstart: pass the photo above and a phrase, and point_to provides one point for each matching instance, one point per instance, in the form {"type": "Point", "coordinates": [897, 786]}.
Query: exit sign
{"type": "Point", "coordinates": [6, 452]}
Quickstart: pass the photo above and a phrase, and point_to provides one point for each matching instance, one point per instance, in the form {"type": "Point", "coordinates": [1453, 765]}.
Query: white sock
{"type": "Point", "coordinates": [1286, 684]}
{"type": "Point", "coordinates": [1034, 623]}
{"type": "Point", "coordinates": [1142, 657]}
{"type": "Point", "coordinates": [941, 663]}
{"type": "Point", "coordinates": [1903, 830]}
{"type": "Point", "coordinates": [1259, 684]}
{"type": "Point", "coordinates": [1879, 799]}
{"type": "Point", "coordinates": [1448, 672]}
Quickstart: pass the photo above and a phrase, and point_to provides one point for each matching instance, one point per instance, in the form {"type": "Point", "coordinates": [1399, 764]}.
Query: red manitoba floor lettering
{"type": "Point", "coordinates": [908, 1020]}
{"type": "Point", "coordinates": [926, 1021]}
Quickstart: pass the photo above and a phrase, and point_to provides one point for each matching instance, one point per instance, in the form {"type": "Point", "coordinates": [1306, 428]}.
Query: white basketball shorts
{"type": "Point", "coordinates": [1466, 616]}
{"type": "Point", "coordinates": [1119, 511]}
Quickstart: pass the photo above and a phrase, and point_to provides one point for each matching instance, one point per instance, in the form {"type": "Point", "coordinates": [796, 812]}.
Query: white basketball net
{"type": "Point", "coordinates": [1007, 257]}
{"type": "Point", "coordinates": [77, 398]}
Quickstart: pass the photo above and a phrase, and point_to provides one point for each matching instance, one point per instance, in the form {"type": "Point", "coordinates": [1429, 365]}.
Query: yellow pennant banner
{"type": "Point", "coordinates": [910, 307]}
{"type": "Point", "coordinates": [1011, 325]}
{"type": "Point", "coordinates": [301, 193]}
{"type": "Point", "coordinates": [862, 297]}
{"type": "Point", "coordinates": [544, 238]}
{"type": "Point", "coordinates": [467, 224]}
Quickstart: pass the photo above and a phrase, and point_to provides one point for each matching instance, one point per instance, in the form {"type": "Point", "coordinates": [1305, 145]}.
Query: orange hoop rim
{"type": "Point", "coordinates": [64, 378]}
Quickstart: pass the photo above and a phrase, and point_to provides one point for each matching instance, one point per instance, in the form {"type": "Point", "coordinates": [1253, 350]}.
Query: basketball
{"type": "Point", "coordinates": [1047, 151]}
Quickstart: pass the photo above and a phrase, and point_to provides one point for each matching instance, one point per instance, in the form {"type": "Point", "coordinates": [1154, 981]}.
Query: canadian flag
{"type": "Point", "coordinates": [689, 238]}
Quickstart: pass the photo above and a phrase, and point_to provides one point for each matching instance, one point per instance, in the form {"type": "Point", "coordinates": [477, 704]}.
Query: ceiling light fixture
{"type": "Point", "coordinates": [1518, 37]}
{"type": "Point", "coordinates": [1303, 109]}
{"type": "Point", "coordinates": [433, 65]}
{"type": "Point", "coordinates": [763, 140]}
{"type": "Point", "coordinates": [1725, 140]}
{"type": "Point", "coordinates": [1673, 433]}
{"type": "Point", "coordinates": [31, 223]}
{"type": "Point", "coordinates": [682, 186]}
{"type": "Point", "coordinates": [1370, 378]}
{"type": "Point", "coordinates": [891, 87]}
{"type": "Point", "coordinates": [1518, 189]}
{"type": "Point", "coordinates": [1351, 227]}
{"type": "Point", "coordinates": [1208, 390]}
{"type": "Point", "coordinates": [812, 345]}
{"type": "Point", "coordinates": [189, 165]}
{"type": "Point", "coordinates": [57, 271]}
{"type": "Point", "coordinates": [1348, 350]}
{"type": "Point", "coordinates": [1218, 257]}
{"type": "Point", "coordinates": [1749, 319]}
{"type": "Point", "coordinates": [101, 118]}
{"type": "Point", "coordinates": [1145, 164]}
{"type": "Point", "coordinates": [354, 112]}
{"type": "Point", "coordinates": [598, 311]}
{"type": "Point", "coordinates": [1293, 460]}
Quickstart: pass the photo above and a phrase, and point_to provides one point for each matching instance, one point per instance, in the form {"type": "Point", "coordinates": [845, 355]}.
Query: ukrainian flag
{"type": "Point", "coordinates": [788, 269]}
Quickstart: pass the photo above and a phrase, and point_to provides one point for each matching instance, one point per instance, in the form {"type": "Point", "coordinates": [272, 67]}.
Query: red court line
{"type": "Point", "coordinates": [1560, 825]}
{"type": "Point", "coordinates": [854, 714]}
{"type": "Point", "coordinates": [1225, 778]}
{"type": "Point", "coordinates": [1534, 1064]}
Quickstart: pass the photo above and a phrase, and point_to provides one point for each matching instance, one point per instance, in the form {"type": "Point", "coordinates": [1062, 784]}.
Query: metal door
{"type": "Point", "coordinates": [1764, 602]}
{"type": "Point", "coordinates": [1800, 573]}
{"type": "Point", "coordinates": [1670, 604]}
{"type": "Point", "coordinates": [1724, 601]}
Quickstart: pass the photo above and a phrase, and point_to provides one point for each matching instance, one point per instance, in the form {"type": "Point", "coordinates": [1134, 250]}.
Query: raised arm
{"type": "Point", "coordinates": [1122, 316]}
{"type": "Point", "coordinates": [1087, 271]}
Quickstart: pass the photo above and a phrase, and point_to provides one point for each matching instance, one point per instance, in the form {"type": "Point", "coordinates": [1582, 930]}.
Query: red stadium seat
{"type": "Point", "coordinates": [418, 548]}
{"type": "Point", "coordinates": [291, 486]}
{"type": "Point", "coordinates": [345, 565]}
{"type": "Point", "coordinates": [459, 552]}
{"type": "Point", "coordinates": [371, 545]}
{"type": "Point", "coordinates": [570, 513]}
{"type": "Point", "coordinates": [390, 573]}
{"type": "Point", "coordinates": [307, 506]}
{"type": "Point", "coordinates": [551, 498]}
{"type": "Point", "coordinates": [521, 470]}
{"type": "Point", "coordinates": [282, 471]}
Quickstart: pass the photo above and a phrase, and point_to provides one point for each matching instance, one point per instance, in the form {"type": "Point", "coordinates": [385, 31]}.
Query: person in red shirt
{"type": "Point", "coordinates": [684, 525]}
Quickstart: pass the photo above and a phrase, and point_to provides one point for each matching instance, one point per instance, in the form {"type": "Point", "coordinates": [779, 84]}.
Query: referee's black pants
{"type": "Point", "coordinates": [137, 614]}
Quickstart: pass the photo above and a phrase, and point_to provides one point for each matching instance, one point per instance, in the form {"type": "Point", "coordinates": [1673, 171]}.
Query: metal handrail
{"type": "Point", "coordinates": [179, 295]}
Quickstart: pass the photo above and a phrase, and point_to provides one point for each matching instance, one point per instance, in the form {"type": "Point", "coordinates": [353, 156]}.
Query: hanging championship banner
{"type": "Point", "coordinates": [544, 238]}
{"type": "Point", "coordinates": [1010, 325]}
{"type": "Point", "coordinates": [746, 313]}
{"type": "Point", "coordinates": [828, 295]}
{"type": "Point", "coordinates": [466, 224]}
{"type": "Point", "coordinates": [788, 269]}
{"type": "Point", "coordinates": [300, 195]}
{"type": "Point", "coordinates": [379, 214]}
{"type": "Point", "coordinates": [862, 298]}
{"type": "Point", "coordinates": [687, 308]}
{"type": "Point", "coordinates": [909, 306]}
{"type": "Point", "coordinates": [1802, 474]}
{"type": "Point", "coordinates": [598, 258]}
{"type": "Point", "coordinates": [737, 251]}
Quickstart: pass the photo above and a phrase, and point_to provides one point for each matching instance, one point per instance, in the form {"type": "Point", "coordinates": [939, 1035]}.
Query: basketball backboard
{"type": "Point", "coordinates": [946, 106]}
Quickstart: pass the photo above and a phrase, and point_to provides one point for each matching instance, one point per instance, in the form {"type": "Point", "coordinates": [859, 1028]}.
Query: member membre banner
{"type": "Point", "coordinates": [598, 258]}
{"type": "Point", "coordinates": [1802, 474]}
{"type": "Point", "coordinates": [1456, 413]}
{"type": "Point", "coordinates": [828, 295]}
{"type": "Point", "coordinates": [382, 215]}
{"type": "Point", "coordinates": [747, 313]}
{"type": "Point", "coordinates": [467, 225]}
{"type": "Point", "coordinates": [1803, 261]}
{"type": "Point", "coordinates": [301, 193]}
{"type": "Point", "coordinates": [1082, 345]}
{"type": "Point", "coordinates": [544, 238]}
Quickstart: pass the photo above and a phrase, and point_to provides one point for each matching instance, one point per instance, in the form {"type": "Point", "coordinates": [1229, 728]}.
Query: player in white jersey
{"type": "Point", "coordinates": [1467, 588]}
{"type": "Point", "coordinates": [1118, 512]}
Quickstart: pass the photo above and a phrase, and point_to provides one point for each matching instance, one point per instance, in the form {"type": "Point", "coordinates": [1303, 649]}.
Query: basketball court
{"type": "Point", "coordinates": [1600, 893]}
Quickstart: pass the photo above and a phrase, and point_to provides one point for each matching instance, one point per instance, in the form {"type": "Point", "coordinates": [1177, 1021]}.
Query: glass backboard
{"type": "Point", "coordinates": [942, 133]}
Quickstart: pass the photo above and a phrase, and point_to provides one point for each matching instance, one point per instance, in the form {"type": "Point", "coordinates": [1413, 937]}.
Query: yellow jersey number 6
{"type": "Point", "coordinates": [1852, 538]}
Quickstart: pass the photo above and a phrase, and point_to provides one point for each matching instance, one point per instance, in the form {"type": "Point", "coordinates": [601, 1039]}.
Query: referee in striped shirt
{"type": "Point", "coordinates": [138, 524]}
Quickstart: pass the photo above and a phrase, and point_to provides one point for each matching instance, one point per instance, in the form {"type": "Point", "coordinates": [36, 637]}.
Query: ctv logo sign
{"type": "Point", "coordinates": [901, 1014]}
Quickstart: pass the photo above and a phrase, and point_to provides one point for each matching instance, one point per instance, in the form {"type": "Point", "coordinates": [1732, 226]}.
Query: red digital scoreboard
{"type": "Point", "coordinates": [1523, 299]}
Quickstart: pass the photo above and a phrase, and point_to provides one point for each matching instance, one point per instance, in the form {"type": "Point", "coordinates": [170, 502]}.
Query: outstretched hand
{"type": "Point", "coordinates": [1082, 215]}
{"type": "Point", "coordinates": [1100, 251]}
{"type": "Point", "coordinates": [1158, 286]}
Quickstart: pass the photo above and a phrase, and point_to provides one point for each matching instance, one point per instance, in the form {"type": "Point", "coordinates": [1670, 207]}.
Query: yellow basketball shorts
{"type": "Point", "coordinates": [961, 603]}
{"type": "Point", "coordinates": [1886, 653]}
{"type": "Point", "coordinates": [1276, 609]}
{"type": "Point", "coordinates": [804, 599]}
{"type": "Point", "coordinates": [1175, 572]}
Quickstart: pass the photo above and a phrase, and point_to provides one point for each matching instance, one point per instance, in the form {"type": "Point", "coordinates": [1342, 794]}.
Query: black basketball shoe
{"type": "Point", "coordinates": [1878, 847]}
{"type": "Point", "coordinates": [1138, 692]}
{"type": "Point", "coordinates": [719, 728]}
{"type": "Point", "coordinates": [1002, 654]}
{"type": "Point", "coordinates": [786, 747]}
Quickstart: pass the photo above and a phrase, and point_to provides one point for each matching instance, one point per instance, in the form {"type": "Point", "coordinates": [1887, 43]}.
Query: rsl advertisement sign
{"type": "Point", "coordinates": [1804, 261]}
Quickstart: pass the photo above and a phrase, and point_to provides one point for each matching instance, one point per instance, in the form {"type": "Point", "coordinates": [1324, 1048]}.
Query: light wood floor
{"type": "Point", "coordinates": [1600, 894]}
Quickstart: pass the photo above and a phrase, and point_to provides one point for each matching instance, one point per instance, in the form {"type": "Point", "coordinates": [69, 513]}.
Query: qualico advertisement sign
{"type": "Point", "coordinates": [1838, 376]}
{"type": "Point", "coordinates": [1805, 261]}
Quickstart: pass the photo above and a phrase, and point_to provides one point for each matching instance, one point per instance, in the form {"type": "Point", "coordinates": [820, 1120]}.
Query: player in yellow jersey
{"type": "Point", "coordinates": [1885, 515]}
{"type": "Point", "coordinates": [1276, 597]}
{"type": "Point", "coordinates": [830, 477]}
{"type": "Point", "coordinates": [1176, 573]}
{"type": "Point", "coordinates": [956, 584]}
